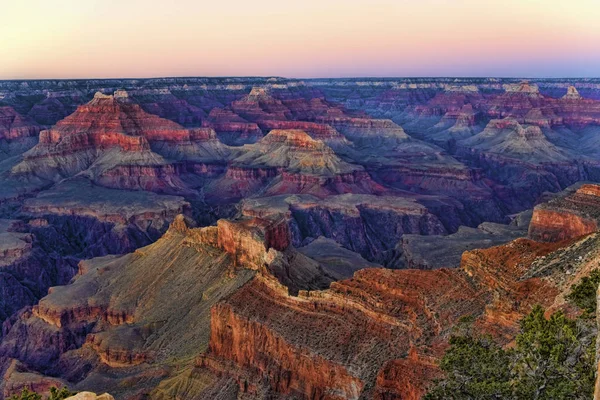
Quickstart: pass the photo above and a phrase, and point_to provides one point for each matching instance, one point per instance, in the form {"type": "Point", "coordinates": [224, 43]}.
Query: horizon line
{"type": "Point", "coordinates": [299, 79]}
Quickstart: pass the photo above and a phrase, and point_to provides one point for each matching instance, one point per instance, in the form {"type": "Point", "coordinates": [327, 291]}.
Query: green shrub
{"type": "Point", "coordinates": [55, 394]}
{"type": "Point", "coordinates": [583, 295]}
{"type": "Point", "coordinates": [553, 359]}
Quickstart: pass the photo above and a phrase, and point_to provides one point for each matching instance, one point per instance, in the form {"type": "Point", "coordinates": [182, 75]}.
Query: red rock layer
{"type": "Point", "coordinates": [115, 357]}
{"type": "Point", "coordinates": [115, 121]}
{"type": "Point", "coordinates": [570, 217]}
{"type": "Point", "coordinates": [315, 130]}
{"type": "Point", "coordinates": [14, 126]}
{"type": "Point", "coordinates": [227, 121]}
{"type": "Point", "coordinates": [249, 241]}
{"type": "Point", "coordinates": [254, 174]}
{"type": "Point", "coordinates": [260, 105]}
{"type": "Point", "coordinates": [380, 333]}
{"type": "Point", "coordinates": [79, 315]}
{"type": "Point", "coordinates": [250, 344]}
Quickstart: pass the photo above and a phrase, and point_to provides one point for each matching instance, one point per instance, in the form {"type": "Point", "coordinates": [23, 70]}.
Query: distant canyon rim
{"type": "Point", "coordinates": [252, 238]}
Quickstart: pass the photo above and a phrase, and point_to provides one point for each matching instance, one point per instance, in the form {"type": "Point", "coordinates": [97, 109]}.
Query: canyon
{"type": "Point", "coordinates": [276, 238]}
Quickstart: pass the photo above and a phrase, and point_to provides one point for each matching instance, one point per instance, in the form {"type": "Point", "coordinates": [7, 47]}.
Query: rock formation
{"type": "Point", "coordinates": [114, 142]}
{"type": "Point", "coordinates": [17, 133]}
{"type": "Point", "coordinates": [567, 217]}
{"type": "Point", "coordinates": [348, 227]}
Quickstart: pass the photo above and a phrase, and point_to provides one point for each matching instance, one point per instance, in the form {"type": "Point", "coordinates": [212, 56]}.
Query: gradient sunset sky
{"type": "Point", "coordinates": [309, 38]}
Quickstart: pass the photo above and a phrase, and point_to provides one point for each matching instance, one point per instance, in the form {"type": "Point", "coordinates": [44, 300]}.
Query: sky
{"type": "Point", "coordinates": [301, 39]}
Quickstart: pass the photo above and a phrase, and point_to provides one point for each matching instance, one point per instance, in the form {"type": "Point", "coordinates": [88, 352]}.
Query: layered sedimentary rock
{"type": "Point", "coordinates": [17, 133]}
{"type": "Point", "coordinates": [127, 317]}
{"type": "Point", "coordinates": [19, 378]}
{"type": "Point", "coordinates": [232, 129]}
{"type": "Point", "coordinates": [14, 126]}
{"type": "Point", "coordinates": [115, 143]}
{"type": "Point", "coordinates": [389, 323]}
{"type": "Point", "coordinates": [98, 220]}
{"type": "Point", "coordinates": [366, 224]}
{"type": "Point", "coordinates": [295, 151]}
{"type": "Point", "coordinates": [363, 165]}
{"type": "Point", "coordinates": [567, 217]}
{"type": "Point", "coordinates": [353, 340]}
{"type": "Point", "coordinates": [260, 105]}
{"type": "Point", "coordinates": [119, 310]}
{"type": "Point", "coordinates": [366, 131]}
{"type": "Point", "coordinates": [15, 254]}
{"type": "Point", "coordinates": [324, 132]}
{"type": "Point", "coordinates": [74, 220]}
{"type": "Point", "coordinates": [431, 252]}
{"type": "Point", "coordinates": [508, 138]}
{"type": "Point", "coordinates": [305, 165]}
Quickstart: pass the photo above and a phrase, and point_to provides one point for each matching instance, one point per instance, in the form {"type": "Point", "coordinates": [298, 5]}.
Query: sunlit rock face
{"type": "Point", "coordinates": [273, 238]}
{"type": "Point", "coordinates": [567, 217]}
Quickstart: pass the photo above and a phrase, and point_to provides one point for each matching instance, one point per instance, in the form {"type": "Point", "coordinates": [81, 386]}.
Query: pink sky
{"type": "Point", "coordinates": [309, 38]}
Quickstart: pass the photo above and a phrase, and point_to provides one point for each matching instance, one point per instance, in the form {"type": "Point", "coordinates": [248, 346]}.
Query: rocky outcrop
{"type": "Point", "coordinates": [17, 133]}
{"type": "Point", "coordinates": [14, 126]}
{"type": "Point", "coordinates": [26, 272]}
{"type": "Point", "coordinates": [572, 94]}
{"type": "Point", "coordinates": [567, 217]}
{"type": "Point", "coordinates": [118, 310]}
{"type": "Point", "coordinates": [248, 241]}
{"type": "Point", "coordinates": [365, 131]}
{"type": "Point", "coordinates": [249, 343]}
{"type": "Point", "coordinates": [432, 252]}
{"type": "Point", "coordinates": [349, 169]}
{"type": "Point", "coordinates": [231, 128]}
{"type": "Point", "coordinates": [392, 325]}
{"type": "Point", "coordinates": [117, 144]}
{"type": "Point", "coordinates": [294, 151]}
{"type": "Point", "coordinates": [508, 138]}
{"type": "Point", "coordinates": [317, 131]}
{"type": "Point", "coordinates": [597, 386]}
{"type": "Point", "coordinates": [91, 396]}
{"type": "Point", "coordinates": [19, 377]}
{"type": "Point", "coordinates": [366, 224]}
{"type": "Point", "coordinates": [260, 105]}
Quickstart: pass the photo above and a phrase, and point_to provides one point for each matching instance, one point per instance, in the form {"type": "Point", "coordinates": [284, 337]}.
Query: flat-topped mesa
{"type": "Point", "coordinates": [523, 88]}
{"type": "Point", "coordinates": [294, 138]}
{"type": "Point", "coordinates": [13, 244]}
{"type": "Point", "coordinates": [366, 131]}
{"type": "Point", "coordinates": [589, 190]}
{"type": "Point", "coordinates": [504, 123]}
{"type": "Point", "coordinates": [572, 94]}
{"type": "Point", "coordinates": [318, 131]}
{"type": "Point", "coordinates": [467, 89]}
{"type": "Point", "coordinates": [567, 217]}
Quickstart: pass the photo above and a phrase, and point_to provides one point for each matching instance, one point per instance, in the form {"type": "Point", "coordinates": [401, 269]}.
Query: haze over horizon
{"type": "Point", "coordinates": [308, 39]}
